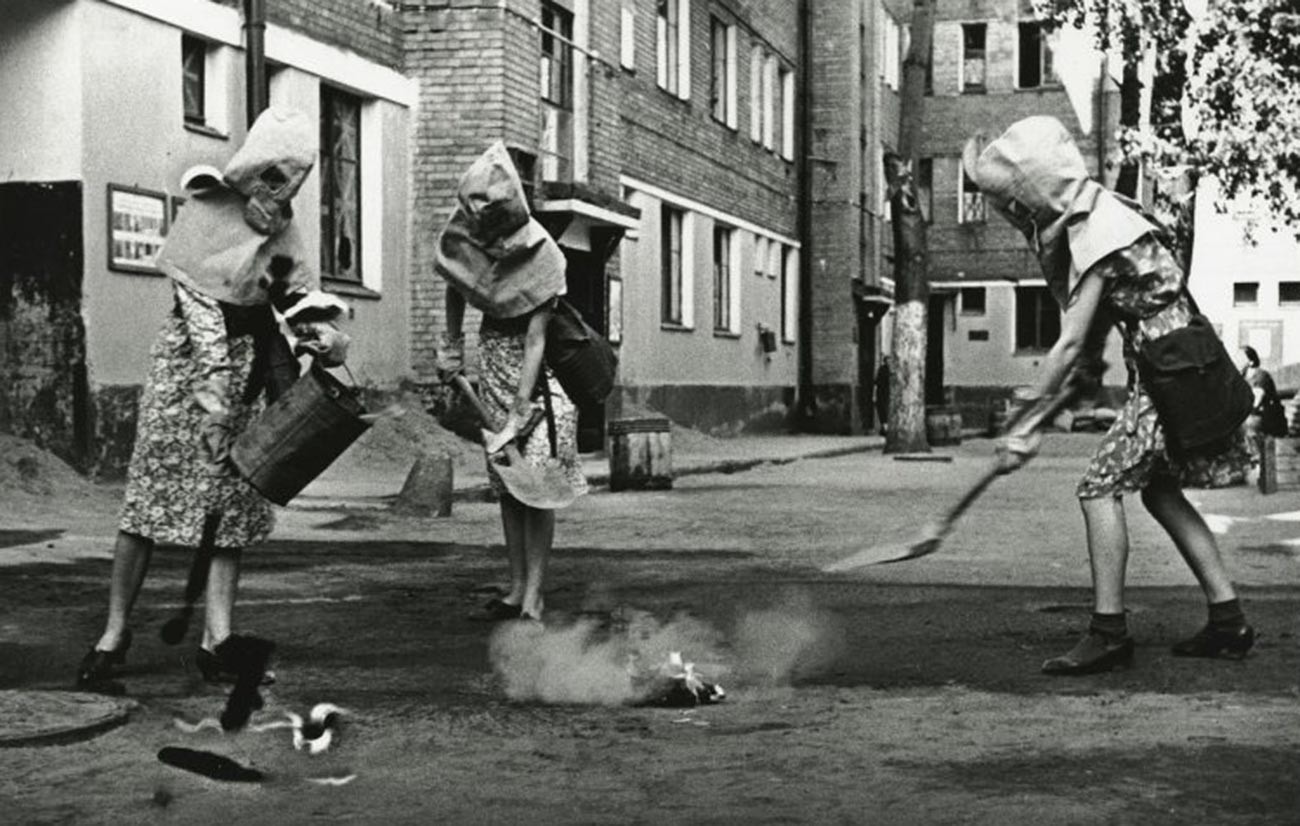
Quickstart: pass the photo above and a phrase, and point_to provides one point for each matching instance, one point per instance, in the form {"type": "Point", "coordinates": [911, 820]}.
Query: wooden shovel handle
{"type": "Point", "coordinates": [463, 385]}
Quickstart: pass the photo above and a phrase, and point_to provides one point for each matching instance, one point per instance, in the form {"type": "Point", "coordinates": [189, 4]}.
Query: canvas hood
{"type": "Point", "coordinates": [491, 249]}
{"type": "Point", "coordinates": [1035, 177]}
{"type": "Point", "coordinates": [234, 240]}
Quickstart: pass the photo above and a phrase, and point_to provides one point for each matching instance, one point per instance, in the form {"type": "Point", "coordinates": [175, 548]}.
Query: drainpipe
{"type": "Point", "coordinates": [805, 404]}
{"type": "Point", "coordinates": [255, 57]}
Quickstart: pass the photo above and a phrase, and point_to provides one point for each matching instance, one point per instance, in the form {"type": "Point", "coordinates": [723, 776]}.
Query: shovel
{"type": "Point", "coordinates": [933, 534]}
{"type": "Point", "coordinates": [545, 487]}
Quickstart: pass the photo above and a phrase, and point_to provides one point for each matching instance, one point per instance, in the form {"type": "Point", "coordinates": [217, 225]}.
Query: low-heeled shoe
{"type": "Point", "coordinates": [1217, 642]}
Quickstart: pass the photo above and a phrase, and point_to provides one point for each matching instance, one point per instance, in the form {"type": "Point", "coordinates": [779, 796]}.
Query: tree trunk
{"type": "Point", "coordinates": [1130, 115]}
{"type": "Point", "coordinates": [906, 428]}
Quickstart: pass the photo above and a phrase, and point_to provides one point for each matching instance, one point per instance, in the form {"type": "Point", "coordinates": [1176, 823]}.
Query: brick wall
{"type": "Point", "coordinates": [679, 146]}
{"type": "Point", "coordinates": [357, 25]}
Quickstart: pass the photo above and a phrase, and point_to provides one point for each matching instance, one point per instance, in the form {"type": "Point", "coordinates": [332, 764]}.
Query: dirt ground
{"type": "Point", "coordinates": [896, 695]}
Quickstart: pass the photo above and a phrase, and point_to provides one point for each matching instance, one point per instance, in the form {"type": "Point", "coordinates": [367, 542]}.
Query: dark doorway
{"type": "Point", "coordinates": [586, 285]}
{"type": "Point", "coordinates": [934, 350]}
{"type": "Point", "coordinates": [866, 393]}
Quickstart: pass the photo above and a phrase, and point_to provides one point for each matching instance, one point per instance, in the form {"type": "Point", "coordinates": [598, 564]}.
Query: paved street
{"type": "Point", "coordinates": [905, 693]}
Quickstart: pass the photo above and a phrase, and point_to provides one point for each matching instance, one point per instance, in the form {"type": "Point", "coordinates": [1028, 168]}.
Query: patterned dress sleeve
{"type": "Point", "coordinates": [205, 326]}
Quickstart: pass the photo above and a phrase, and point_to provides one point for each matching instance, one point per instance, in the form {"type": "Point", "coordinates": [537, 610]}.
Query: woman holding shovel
{"type": "Point", "coordinates": [496, 257]}
{"type": "Point", "coordinates": [232, 255]}
{"type": "Point", "coordinates": [1106, 260]}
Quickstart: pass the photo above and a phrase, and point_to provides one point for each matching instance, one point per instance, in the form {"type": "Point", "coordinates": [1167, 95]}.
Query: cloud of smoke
{"type": "Point", "coordinates": [616, 662]}
{"type": "Point", "coordinates": [594, 663]}
{"type": "Point", "coordinates": [778, 644]}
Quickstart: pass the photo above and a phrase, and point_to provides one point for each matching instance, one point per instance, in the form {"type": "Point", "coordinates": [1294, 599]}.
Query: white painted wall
{"type": "Point", "coordinates": [40, 91]}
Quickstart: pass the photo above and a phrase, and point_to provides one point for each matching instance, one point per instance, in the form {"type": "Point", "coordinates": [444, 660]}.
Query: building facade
{"type": "Point", "coordinates": [109, 102]}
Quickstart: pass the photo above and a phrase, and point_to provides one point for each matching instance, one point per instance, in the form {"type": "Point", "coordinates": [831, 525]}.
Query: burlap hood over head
{"type": "Point", "coordinates": [234, 239]}
{"type": "Point", "coordinates": [492, 250]}
{"type": "Point", "coordinates": [1035, 177]}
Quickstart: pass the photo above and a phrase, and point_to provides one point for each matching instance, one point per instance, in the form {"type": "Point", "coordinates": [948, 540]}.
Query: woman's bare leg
{"type": "Point", "coordinates": [540, 536]}
{"type": "Point", "coordinates": [514, 522]}
{"type": "Point", "coordinates": [131, 555]}
{"type": "Point", "coordinates": [1107, 551]}
{"type": "Point", "coordinates": [219, 607]}
{"type": "Point", "coordinates": [1193, 538]}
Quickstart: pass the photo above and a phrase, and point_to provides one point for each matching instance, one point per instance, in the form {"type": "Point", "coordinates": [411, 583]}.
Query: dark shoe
{"type": "Point", "coordinates": [218, 671]}
{"type": "Point", "coordinates": [247, 657]}
{"type": "Point", "coordinates": [99, 667]}
{"type": "Point", "coordinates": [496, 611]}
{"type": "Point", "coordinates": [1214, 642]}
{"type": "Point", "coordinates": [1093, 654]}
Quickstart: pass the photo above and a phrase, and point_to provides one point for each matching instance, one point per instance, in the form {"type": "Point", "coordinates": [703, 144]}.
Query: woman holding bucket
{"type": "Point", "coordinates": [232, 256]}
{"type": "Point", "coordinates": [498, 258]}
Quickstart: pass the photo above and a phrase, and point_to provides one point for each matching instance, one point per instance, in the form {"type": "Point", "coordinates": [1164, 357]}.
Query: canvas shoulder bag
{"type": "Point", "coordinates": [582, 361]}
{"type": "Point", "coordinates": [1199, 395]}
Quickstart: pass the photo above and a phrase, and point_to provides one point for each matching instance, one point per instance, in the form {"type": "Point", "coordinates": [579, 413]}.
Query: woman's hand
{"type": "Point", "coordinates": [327, 343]}
{"type": "Point", "coordinates": [1015, 451]}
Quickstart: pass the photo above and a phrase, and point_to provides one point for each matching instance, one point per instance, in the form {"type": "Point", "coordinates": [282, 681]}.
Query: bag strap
{"type": "Point", "coordinates": [550, 411]}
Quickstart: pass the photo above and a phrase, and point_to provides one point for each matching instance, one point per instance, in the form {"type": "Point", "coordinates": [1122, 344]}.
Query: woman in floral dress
{"type": "Point", "coordinates": [1107, 262]}
{"type": "Point", "coordinates": [498, 258]}
{"type": "Point", "coordinates": [232, 256]}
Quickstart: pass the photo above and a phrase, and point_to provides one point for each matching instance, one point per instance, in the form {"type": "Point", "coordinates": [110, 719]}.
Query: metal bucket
{"type": "Point", "coordinates": [299, 435]}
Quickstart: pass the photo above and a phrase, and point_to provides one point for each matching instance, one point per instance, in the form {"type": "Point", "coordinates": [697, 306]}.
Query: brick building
{"type": "Point", "coordinates": [991, 317]}
{"type": "Point", "coordinates": [108, 103]}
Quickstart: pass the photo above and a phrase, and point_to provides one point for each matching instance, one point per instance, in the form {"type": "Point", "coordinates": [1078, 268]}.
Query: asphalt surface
{"type": "Point", "coordinates": [906, 693]}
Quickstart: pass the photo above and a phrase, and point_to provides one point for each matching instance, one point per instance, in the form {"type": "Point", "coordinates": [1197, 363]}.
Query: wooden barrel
{"type": "Point", "coordinates": [640, 454]}
{"type": "Point", "coordinates": [998, 413]}
{"type": "Point", "coordinates": [942, 426]}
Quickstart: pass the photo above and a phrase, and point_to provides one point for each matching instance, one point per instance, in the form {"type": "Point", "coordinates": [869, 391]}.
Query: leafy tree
{"type": "Point", "coordinates": [1225, 97]}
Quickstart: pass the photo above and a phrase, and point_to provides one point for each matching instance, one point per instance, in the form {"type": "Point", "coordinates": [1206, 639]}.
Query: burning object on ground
{"type": "Point", "coordinates": [676, 685]}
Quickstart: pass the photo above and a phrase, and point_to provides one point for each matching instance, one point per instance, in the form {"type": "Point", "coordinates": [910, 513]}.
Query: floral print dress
{"type": "Point", "coordinates": [1144, 292]}
{"type": "Point", "coordinates": [171, 486]}
{"type": "Point", "coordinates": [501, 352]}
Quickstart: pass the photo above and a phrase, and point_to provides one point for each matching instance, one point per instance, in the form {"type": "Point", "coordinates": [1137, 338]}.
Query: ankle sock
{"type": "Point", "coordinates": [1112, 626]}
{"type": "Point", "coordinates": [1227, 614]}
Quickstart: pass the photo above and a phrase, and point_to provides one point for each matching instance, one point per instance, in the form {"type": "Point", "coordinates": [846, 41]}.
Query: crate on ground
{"type": "Point", "coordinates": [640, 453]}
{"type": "Point", "coordinates": [1279, 464]}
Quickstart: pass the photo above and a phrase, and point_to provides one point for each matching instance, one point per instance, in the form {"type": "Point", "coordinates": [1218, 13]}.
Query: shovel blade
{"type": "Point", "coordinates": [544, 487]}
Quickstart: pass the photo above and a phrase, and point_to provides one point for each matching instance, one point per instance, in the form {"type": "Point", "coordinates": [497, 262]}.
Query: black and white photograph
{"type": "Point", "coordinates": [650, 412]}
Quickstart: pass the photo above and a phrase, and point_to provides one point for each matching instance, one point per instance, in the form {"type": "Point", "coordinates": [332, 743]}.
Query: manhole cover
{"type": "Point", "coordinates": [42, 718]}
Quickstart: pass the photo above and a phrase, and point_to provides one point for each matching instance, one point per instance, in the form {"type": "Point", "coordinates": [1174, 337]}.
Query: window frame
{"type": "Point", "coordinates": [757, 65]}
{"type": "Point", "coordinates": [672, 266]}
{"type": "Point", "coordinates": [1044, 307]}
{"type": "Point", "coordinates": [965, 85]}
{"type": "Point", "coordinates": [786, 81]}
{"type": "Point", "coordinates": [971, 203]}
{"type": "Point", "coordinates": [1254, 289]}
{"type": "Point", "coordinates": [556, 76]}
{"type": "Point", "coordinates": [789, 294]}
{"type": "Point", "coordinates": [1047, 76]}
{"type": "Point", "coordinates": [627, 36]}
{"type": "Point", "coordinates": [673, 47]}
{"type": "Point", "coordinates": [723, 68]}
{"type": "Point", "coordinates": [726, 281]}
{"type": "Point", "coordinates": [964, 293]}
{"type": "Point", "coordinates": [330, 98]}
{"type": "Point", "coordinates": [1288, 302]}
{"type": "Point", "coordinates": [194, 60]}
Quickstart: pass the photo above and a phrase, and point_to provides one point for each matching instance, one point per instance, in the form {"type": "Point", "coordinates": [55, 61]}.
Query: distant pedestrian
{"type": "Point", "coordinates": [1104, 258]}
{"type": "Point", "coordinates": [1268, 416]}
{"type": "Point", "coordinates": [498, 258]}
{"type": "Point", "coordinates": [883, 377]}
{"type": "Point", "coordinates": [232, 255]}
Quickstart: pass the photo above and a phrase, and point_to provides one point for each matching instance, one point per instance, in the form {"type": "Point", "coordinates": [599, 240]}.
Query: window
{"type": "Point", "coordinates": [769, 102]}
{"type": "Point", "coordinates": [925, 187]}
{"type": "Point", "coordinates": [194, 65]}
{"type": "Point", "coordinates": [555, 78]}
{"type": "Point", "coordinates": [627, 35]}
{"type": "Point", "coordinates": [972, 201]}
{"type": "Point", "coordinates": [1245, 294]}
{"type": "Point", "coordinates": [674, 47]}
{"type": "Point", "coordinates": [891, 59]}
{"type": "Point", "coordinates": [1288, 292]}
{"type": "Point", "coordinates": [760, 255]}
{"type": "Point", "coordinates": [972, 58]}
{"type": "Point", "coordinates": [722, 81]}
{"type": "Point", "coordinates": [972, 300]}
{"type": "Point", "coordinates": [205, 74]}
{"type": "Point", "coordinates": [787, 114]}
{"type": "Point", "coordinates": [1035, 57]}
{"type": "Point", "coordinates": [726, 283]}
{"type": "Point", "coordinates": [789, 295]}
{"type": "Point", "coordinates": [340, 192]}
{"type": "Point", "coordinates": [773, 259]}
{"type": "Point", "coordinates": [756, 64]}
{"type": "Point", "coordinates": [1038, 321]}
{"type": "Point", "coordinates": [672, 229]}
